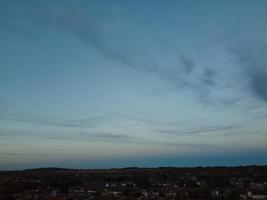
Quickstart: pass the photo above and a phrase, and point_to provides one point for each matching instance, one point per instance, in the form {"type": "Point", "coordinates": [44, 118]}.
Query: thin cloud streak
{"type": "Point", "coordinates": [199, 131]}
{"type": "Point", "coordinates": [24, 118]}
{"type": "Point", "coordinates": [22, 154]}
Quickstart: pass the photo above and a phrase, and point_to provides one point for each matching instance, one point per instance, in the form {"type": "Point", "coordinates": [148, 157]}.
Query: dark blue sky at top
{"type": "Point", "coordinates": [132, 83]}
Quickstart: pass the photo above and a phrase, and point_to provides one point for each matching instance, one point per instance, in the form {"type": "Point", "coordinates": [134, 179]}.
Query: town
{"type": "Point", "coordinates": [170, 183]}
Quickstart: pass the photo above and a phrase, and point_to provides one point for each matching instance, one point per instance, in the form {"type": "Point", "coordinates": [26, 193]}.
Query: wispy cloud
{"type": "Point", "coordinates": [252, 56]}
{"type": "Point", "coordinates": [88, 27]}
{"type": "Point", "coordinates": [188, 64]}
{"type": "Point", "coordinates": [102, 31]}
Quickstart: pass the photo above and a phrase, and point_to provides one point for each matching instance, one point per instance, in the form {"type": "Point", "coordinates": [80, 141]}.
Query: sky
{"type": "Point", "coordinates": [119, 83]}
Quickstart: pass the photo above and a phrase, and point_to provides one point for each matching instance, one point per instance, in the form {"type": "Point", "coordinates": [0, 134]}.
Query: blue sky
{"type": "Point", "coordinates": [132, 83]}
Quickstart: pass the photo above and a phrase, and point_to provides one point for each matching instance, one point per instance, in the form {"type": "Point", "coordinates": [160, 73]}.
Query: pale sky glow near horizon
{"type": "Point", "coordinates": [99, 84]}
